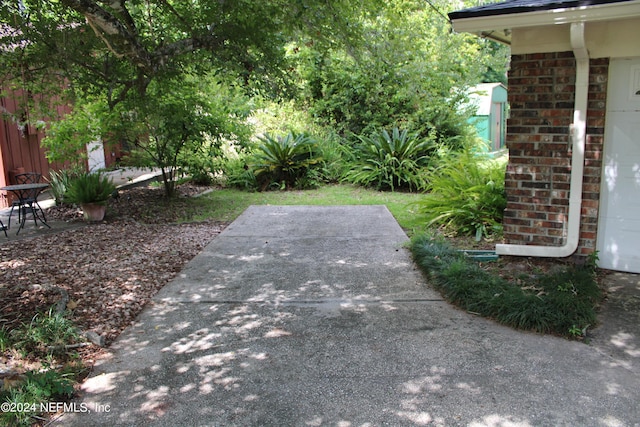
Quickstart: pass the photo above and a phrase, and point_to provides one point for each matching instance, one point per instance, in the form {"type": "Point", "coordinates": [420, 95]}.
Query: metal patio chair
{"type": "Point", "coordinates": [28, 199]}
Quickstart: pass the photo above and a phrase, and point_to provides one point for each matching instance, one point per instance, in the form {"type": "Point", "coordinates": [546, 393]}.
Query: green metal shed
{"type": "Point", "coordinates": [490, 119]}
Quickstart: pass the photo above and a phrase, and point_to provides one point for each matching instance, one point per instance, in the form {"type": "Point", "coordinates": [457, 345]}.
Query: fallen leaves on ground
{"type": "Point", "coordinates": [109, 270]}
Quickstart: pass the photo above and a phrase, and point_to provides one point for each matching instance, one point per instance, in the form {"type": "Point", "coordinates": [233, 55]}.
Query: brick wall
{"type": "Point", "coordinates": [541, 97]}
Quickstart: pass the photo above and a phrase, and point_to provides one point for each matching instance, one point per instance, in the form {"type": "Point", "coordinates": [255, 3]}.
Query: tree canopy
{"type": "Point", "coordinates": [113, 47]}
{"type": "Point", "coordinates": [151, 72]}
{"type": "Point", "coordinates": [411, 71]}
{"type": "Point", "coordinates": [137, 58]}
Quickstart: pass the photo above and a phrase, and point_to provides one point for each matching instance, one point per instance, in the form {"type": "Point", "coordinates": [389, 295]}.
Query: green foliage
{"type": "Point", "coordinates": [19, 398]}
{"type": "Point", "coordinates": [89, 188]}
{"type": "Point", "coordinates": [466, 194]}
{"type": "Point", "coordinates": [201, 169]}
{"type": "Point", "coordinates": [60, 181]}
{"type": "Point", "coordinates": [276, 117]}
{"type": "Point", "coordinates": [591, 262]}
{"type": "Point", "coordinates": [201, 162]}
{"type": "Point", "coordinates": [5, 339]}
{"type": "Point", "coordinates": [181, 124]}
{"type": "Point", "coordinates": [558, 302]}
{"type": "Point", "coordinates": [67, 137]}
{"type": "Point", "coordinates": [238, 174]}
{"type": "Point", "coordinates": [117, 49]}
{"type": "Point", "coordinates": [390, 161]}
{"type": "Point", "coordinates": [411, 72]}
{"type": "Point", "coordinates": [154, 76]}
{"type": "Point", "coordinates": [285, 162]}
{"type": "Point", "coordinates": [47, 333]}
{"type": "Point", "coordinates": [337, 158]}
{"type": "Point", "coordinates": [47, 385]}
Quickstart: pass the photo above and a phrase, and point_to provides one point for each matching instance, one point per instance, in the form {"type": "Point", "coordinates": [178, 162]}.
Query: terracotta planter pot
{"type": "Point", "coordinates": [94, 211]}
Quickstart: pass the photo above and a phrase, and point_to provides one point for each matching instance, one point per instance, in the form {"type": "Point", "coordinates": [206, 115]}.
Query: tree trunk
{"type": "Point", "coordinates": [169, 182]}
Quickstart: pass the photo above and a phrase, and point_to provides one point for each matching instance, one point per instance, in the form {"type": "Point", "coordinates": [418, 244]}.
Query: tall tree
{"type": "Point", "coordinates": [113, 51]}
{"type": "Point", "coordinates": [412, 72]}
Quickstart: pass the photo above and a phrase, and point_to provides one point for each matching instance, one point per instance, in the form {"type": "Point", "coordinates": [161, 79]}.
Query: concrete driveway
{"type": "Point", "coordinates": [316, 316]}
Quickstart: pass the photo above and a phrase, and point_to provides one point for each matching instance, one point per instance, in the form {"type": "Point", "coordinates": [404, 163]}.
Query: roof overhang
{"type": "Point", "coordinates": [498, 27]}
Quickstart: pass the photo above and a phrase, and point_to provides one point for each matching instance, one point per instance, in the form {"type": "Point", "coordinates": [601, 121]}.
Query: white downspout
{"type": "Point", "coordinates": [578, 136]}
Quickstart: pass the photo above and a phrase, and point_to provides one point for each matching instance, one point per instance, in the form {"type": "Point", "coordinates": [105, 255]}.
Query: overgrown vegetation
{"type": "Point", "coordinates": [46, 334]}
{"type": "Point", "coordinates": [47, 343]}
{"type": "Point", "coordinates": [410, 72]}
{"type": "Point", "coordinates": [91, 187]}
{"type": "Point", "coordinates": [561, 302]}
{"type": "Point", "coordinates": [390, 161]}
{"type": "Point", "coordinates": [285, 162]}
{"type": "Point", "coordinates": [465, 194]}
{"type": "Point", "coordinates": [172, 84]}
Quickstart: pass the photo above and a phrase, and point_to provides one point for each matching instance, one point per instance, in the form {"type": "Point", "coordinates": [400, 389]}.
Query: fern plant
{"type": "Point", "coordinates": [389, 161]}
{"type": "Point", "coordinates": [466, 195]}
{"type": "Point", "coordinates": [285, 161]}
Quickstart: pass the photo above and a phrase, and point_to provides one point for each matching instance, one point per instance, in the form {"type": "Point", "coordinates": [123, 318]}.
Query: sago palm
{"type": "Point", "coordinates": [284, 160]}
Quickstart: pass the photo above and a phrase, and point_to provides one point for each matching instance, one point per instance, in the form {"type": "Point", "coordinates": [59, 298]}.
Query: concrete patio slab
{"type": "Point", "coordinates": [313, 316]}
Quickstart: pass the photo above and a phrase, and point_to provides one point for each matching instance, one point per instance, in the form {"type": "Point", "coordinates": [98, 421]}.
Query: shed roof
{"type": "Point", "coordinates": [482, 96]}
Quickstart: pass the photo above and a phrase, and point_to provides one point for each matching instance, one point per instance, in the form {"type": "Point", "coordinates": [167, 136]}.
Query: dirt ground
{"type": "Point", "coordinates": [104, 273]}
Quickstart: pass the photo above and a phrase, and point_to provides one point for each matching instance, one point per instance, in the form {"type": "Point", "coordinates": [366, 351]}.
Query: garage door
{"type": "Point", "coordinates": [618, 240]}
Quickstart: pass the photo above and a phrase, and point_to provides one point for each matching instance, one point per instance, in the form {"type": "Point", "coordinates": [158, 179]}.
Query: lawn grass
{"type": "Point", "coordinates": [227, 204]}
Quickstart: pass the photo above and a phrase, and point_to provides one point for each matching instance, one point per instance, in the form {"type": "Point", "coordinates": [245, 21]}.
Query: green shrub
{"type": "Point", "coordinates": [201, 168]}
{"type": "Point", "coordinates": [337, 157]}
{"type": "Point", "coordinates": [238, 174]}
{"type": "Point", "coordinates": [59, 183]}
{"type": "Point", "coordinates": [390, 161]}
{"type": "Point", "coordinates": [38, 387]}
{"type": "Point", "coordinates": [466, 195]}
{"type": "Point", "coordinates": [284, 162]}
{"type": "Point", "coordinates": [560, 302]}
{"type": "Point", "coordinates": [90, 188]}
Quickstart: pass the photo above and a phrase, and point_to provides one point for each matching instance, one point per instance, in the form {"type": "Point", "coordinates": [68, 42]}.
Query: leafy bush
{"type": "Point", "coordinates": [561, 302]}
{"type": "Point", "coordinates": [337, 158]}
{"type": "Point", "coordinates": [90, 188]}
{"type": "Point", "coordinates": [202, 166]}
{"type": "Point", "coordinates": [38, 387]}
{"type": "Point", "coordinates": [60, 182]}
{"type": "Point", "coordinates": [466, 195]}
{"type": "Point", "coordinates": [284, 162]}
{"type": "Point", "coordinates": [409, 71]}
{"type": "Point", "coordinates": [390, 161]}
{"type": "Point", "coordinates": [238, 174]}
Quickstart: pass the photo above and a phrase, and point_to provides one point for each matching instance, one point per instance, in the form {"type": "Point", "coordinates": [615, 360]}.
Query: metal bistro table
{"type": "Point", "coordinates": [27, 195]}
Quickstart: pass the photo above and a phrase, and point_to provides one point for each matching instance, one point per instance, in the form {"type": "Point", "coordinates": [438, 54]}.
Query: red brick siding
{"type": "Point", "coordinates": [541, 96]}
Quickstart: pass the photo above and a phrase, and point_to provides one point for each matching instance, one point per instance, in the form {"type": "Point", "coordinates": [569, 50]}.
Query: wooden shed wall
{"type": "Point", "coordinates": [20, 147]}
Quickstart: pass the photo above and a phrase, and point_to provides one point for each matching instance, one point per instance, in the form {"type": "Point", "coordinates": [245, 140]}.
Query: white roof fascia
{"type": "Point", "coordinates": [604, 12]}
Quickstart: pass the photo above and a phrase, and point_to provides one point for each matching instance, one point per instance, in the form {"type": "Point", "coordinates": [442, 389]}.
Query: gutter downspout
{"type": "Point", "coordinates": [578, 136]}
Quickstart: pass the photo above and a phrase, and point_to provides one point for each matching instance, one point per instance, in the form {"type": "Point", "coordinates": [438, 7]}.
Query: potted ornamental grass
{"type": "Point", "coordinates": [91, 191]}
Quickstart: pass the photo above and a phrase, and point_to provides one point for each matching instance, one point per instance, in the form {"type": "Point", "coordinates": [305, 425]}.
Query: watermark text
{"type": "Point", "coordinates": [36, 408]}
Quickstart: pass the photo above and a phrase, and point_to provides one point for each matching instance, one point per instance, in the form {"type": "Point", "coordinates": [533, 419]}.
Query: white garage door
{"type": "Point", "coordinates": [619, 222]}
